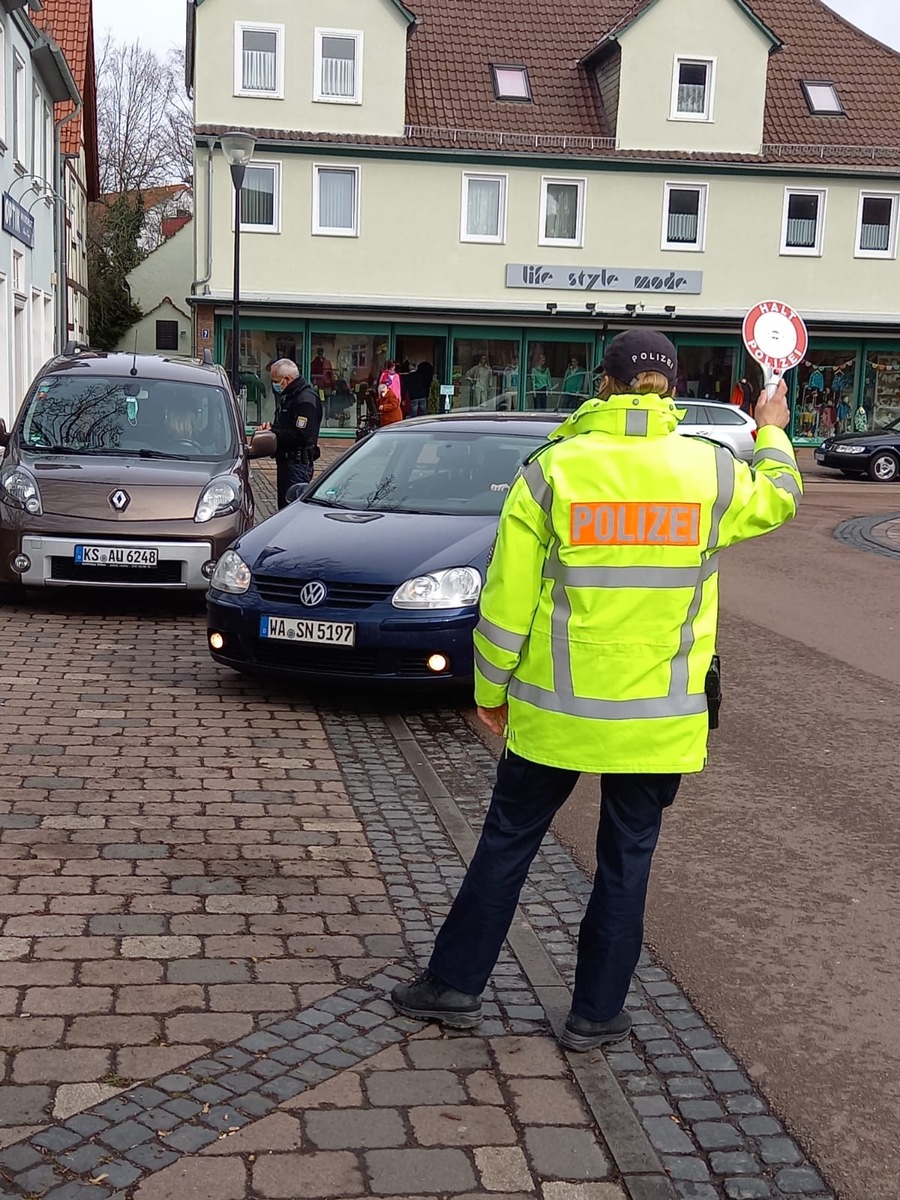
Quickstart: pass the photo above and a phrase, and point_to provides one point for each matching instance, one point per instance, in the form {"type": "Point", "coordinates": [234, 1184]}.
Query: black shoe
{"type": "Point", "coordinates": [427, 999]}
{"type": "Point", "coordinates": [580, 1034]}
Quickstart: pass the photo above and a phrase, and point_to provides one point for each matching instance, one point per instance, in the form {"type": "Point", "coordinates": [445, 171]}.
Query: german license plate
{"type": "Point", "coordinates": [283, 629]}
{"type": "Point", "coordinates": [117, 556]}
{"type": "Point", "coordinates": [820, 457]}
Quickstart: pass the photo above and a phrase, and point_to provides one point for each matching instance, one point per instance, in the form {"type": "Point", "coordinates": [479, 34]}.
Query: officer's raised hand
{"type": "Point", "coordinates": [773, 410]}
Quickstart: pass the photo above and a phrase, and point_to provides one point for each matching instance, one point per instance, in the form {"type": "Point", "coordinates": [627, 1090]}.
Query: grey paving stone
{"type": "Point", "coordinates": [268, 1068]}
{"type": "Point", "coordinates": [404, 1089]}
{"type": "Point", "coordinates": [147, 1097]}
{"type": "Point", "coordinates": [238, 1082]}
{"type": "Point", "coordinates": [38, 1180]}
{"type": "Point", "coordinates": [718, 1135]}
{"type": "Point", "coordinates": [159, 1118]}
{"type": "Point", "coordinates": [623, 1063]}
{"type": "Point", "coordinates": [191, 1138]}
{"type": "Point", "coordinates": [747, 1189]}
{"type": "Point", "coordinates": [183, 1108]}
{"type": "Point", "coordinates": [56, 1139]}
{"type": "Point", "coordinates": [152, 1156]}
{"type": "Point", "coordinates": [24, 1105]}
{"type": "Point", "coordinates": [729, 1081]}
{"type": "Point", "coordinates": [700, 1110]}
{"type": "Point", "coordinates": [682, 1166]}
{"type": "Point", "coordinates": [75, 1190]}
{"type": "Point", "coordinates": [175, 1083]}
{"type": "Point", "coordinates": [687, 1087]}
{"type": "Point", "coordinates": [410, 1172]}
{"type": "Point", "coordinates": [696, 1191]}
{"type": "Point", "coordinates": [86, 1124]}
{"type": "Point", "coordinates": [125, 1136]}
{"type": "Point", "coordinates": [255, 1104]}
{"type": "Point", "coordinates": [759, 1126]}
{"type": "Point", "coordinates": [19, 1158]}
{"type": "Point", "coordinates": [355, 1129]}
{"type": "Point", "coordinates": [667, 1136]}
{"type": "Point", "coordinates": [223, 1118]}
{"type": "Point", "coordinates": [737, 1162]}
{"type": "Point", "coordinates": [288, 1086]}
{"type": "Point", "coordinates": [338, 1059]}
{"type": "Point", "coordinates": [780, 1151]}
{"type": "Point", "coordinates": [119, 1174]}
{"type": "Point", "coordinates": [673, 1064]}
{"type": "Point", "coordinates": [561, 1153]}
{"type": "Point", "coordinates": [652, 1106]}
{"type": "Point", "coordinates": [261, 1042]}
{"type": "Point", "coordinates": [211, 1093]}
{"type": "Point", "coordinates": [663, 1046]}
{"type": "Point", "coordinates": [744, 1105]}
{"type": "Point", "coordinates": [714, 1060]}
{"type": "Point", "coordinates": [82, 1160]}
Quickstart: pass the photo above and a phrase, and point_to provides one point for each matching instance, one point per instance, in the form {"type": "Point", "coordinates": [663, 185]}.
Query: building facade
{"type": "Point", "coordinates": [159, 284]}
{"type": "Point", "coordinates": [499, 188]}
{"type": "Point", "coordinates": [34, 76]}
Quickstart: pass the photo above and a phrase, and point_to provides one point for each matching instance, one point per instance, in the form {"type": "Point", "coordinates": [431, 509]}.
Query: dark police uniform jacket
{"type": "Point", "coordinates": [298, 417]}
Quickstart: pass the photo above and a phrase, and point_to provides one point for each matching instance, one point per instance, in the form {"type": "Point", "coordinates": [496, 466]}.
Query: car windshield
{"type": "Point", "coordinates": [147, 417]}
{"type": "Point", "coordinates": [892, 426]}
{"type": "Point", "coordinates": [428, 472]}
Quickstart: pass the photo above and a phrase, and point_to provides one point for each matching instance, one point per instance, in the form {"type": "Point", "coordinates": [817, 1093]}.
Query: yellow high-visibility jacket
{"type": "Point", "coordinates": [599, 613]}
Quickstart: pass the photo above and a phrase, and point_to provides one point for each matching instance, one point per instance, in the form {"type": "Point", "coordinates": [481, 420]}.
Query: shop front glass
{"type": "Point", "coordinates": [486, 373]}
{"type": "Point", "coordinates": [421, 359]}
{"type": "Point", "coordinates": [559, 375]}
{"type": "Point", "coordinates": [259, 349]}
{"type": "Point", "coordinates": [826, 396]}
{"type": "Point", "coordinates": [881, 395]}
{"type": "Point", "coordinates": [342, 367]}
{"type": "Point", "coordinates": [706, 372]}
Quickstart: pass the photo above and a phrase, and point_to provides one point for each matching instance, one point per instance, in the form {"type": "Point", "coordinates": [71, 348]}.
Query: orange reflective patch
{"type": "Point", "coordinates": [635, 524]}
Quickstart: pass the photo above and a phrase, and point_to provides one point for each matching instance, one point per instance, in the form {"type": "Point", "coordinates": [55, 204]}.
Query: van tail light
{"type": "Point", "coordinates": [753, 433]}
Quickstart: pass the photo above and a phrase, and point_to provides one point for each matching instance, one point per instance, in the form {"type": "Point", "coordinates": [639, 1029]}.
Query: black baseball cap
{"type": "Point", "coordinates": [638, 350]}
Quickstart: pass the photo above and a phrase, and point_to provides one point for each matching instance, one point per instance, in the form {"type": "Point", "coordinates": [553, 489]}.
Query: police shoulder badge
{"type": "Point", "coordinates": [302, 422]}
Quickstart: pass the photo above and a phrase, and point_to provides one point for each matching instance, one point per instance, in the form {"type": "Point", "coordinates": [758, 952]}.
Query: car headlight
{"type": "Point", "coordinates": [231, 574]}
{"type": "Point", "coordinates": [459, 587]}
{"type": "Point", "coordinates": [220, 497]}
{"type": "Point", "coordinates": [21, 489]}
{"type": "Point", "coordinates": [849, 449]}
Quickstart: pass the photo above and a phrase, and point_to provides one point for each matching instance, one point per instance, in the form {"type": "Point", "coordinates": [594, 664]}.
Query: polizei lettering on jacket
{"type": "Point", "coordinates": [635, 524]}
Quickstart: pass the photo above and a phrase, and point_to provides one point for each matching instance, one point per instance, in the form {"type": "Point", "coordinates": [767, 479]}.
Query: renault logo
{"type": "Point", "coordinates": [313, 593]}
{"type": "Point", "coordinates": [119, 500]}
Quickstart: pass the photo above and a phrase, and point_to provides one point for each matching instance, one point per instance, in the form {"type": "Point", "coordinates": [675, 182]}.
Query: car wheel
{"type": "Point", "coordinates": [884, 467]}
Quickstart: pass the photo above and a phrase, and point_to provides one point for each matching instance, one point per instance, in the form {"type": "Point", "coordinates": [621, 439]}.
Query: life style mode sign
{"type": "Point", "coordinates": [603, 279]}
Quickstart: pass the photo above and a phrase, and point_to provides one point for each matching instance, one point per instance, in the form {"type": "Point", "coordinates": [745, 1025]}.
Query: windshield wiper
{"type": "Point", "coordinates": [55, 449]}
{"type": "Point", "coordinates": [325, 503]}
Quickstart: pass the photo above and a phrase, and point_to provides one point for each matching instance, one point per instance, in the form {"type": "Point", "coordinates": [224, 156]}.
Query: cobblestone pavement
{"type": "Point", "coordinates": [206, 887]}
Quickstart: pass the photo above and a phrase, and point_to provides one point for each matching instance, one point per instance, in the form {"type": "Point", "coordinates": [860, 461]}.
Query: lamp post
{"type": "Point", "coordinates": [238, 150]}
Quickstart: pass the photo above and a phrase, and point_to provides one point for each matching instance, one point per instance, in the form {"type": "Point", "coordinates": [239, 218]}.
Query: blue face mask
{"type": "Point", "coordinates": [277, 389]}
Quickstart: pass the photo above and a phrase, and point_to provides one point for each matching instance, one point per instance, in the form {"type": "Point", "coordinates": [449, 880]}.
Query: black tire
{"type": "Point", "coordinates": [884, 467]}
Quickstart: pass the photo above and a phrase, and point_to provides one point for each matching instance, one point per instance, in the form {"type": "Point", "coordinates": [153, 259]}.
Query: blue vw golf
{"type": "Point", "coordinates": [375, 573]}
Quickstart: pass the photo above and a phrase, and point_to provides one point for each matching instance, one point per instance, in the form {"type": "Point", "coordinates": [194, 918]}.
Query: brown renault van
{"type": "Point", "coordinates": [122, 470]}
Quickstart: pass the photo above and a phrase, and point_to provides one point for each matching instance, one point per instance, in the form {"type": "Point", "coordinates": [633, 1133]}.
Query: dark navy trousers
{"type": "Point", "coordinates": [526, 798]}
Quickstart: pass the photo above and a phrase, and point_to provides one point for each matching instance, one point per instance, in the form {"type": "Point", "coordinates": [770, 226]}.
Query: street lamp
{"type": "Point", "coordinates": [238, 150]}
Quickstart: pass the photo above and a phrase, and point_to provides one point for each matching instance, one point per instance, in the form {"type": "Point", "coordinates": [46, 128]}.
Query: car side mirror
{"type": "Point", "coordinates": [5, 435]}
{"type": "Point", "coordinates": [263, 445]}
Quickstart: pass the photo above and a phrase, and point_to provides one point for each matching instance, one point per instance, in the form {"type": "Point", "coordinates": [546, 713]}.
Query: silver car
{"type": "Point", "coordinates": [722, 423]}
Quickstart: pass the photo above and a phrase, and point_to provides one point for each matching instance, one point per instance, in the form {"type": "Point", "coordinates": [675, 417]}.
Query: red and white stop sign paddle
{"type": "Point", "coordinates": [775, 335]}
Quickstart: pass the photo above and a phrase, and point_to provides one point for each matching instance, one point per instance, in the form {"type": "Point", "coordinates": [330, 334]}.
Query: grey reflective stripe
{"type": "Point", "coordinates": [786, 483]}
{"type": "Point", "coordinates": [491, 673]}
{"type": "Point", "coordinates": [630, 577]}
{"type": "Point", "coordinates": [608, 710]}
{"type": "Point", "coordinates": [540, 489]}
{"type": "Point", "coordinates": [501, 638]}
{"type": "Point", "coordinates": [560, 650]}
{"type": "Point", "coordinates": [725, 478]}
{"type": "Point", "coordinates": [778, 456]}
{"type": "Point", "coordinates": [678, 684]}
{"type": "Point", "coordinates": [637, 423]}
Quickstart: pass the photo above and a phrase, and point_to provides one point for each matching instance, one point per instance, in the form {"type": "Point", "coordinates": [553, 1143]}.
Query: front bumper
{"type": "Point", "coordinates": [826, 457]}
{"type": "Point", "coordinates": [180, 564]}
{"type": "Point", "coordinates": [390, 645]}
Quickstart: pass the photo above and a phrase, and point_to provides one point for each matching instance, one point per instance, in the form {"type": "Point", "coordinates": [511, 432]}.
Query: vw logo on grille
{"type": "Point", "coordinates": [313, 593]}
{"type": "Point", "coordinates": [119, 500]}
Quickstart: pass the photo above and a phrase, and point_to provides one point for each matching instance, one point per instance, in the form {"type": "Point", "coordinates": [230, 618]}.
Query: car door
{"type": "Point", "coordinates": [697, 421]}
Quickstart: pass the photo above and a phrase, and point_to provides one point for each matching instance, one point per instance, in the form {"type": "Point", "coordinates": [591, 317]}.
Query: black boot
{"type": "Point", "coordinates": [580, 1034]}
{"type": "Point", "coordinates": [427, 999]}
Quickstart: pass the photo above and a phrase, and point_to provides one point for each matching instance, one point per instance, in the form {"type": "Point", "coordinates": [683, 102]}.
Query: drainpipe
{"type": "Point", "coordinates": [62, 243]}
{"type": "Point", "coordinates": [211, 144]}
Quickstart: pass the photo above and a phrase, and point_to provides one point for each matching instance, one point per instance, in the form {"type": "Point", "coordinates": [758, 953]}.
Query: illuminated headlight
{"type": "Point", "coordinates": [231, 574]}
{"type": "Point", "coordinates": [21, 489]}
{"type": "Point", "coordinates": [849, 449]}
{"type": "Point", "coordinates": [459, 587]}
{"type": "Point", "coordinates": [220, 497]}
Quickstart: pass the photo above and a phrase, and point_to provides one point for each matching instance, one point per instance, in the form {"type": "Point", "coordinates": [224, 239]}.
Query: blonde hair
{"type": "Point", "coordinates": [180, 423]}
{"type": "Point", "coordinates": [646, 383]}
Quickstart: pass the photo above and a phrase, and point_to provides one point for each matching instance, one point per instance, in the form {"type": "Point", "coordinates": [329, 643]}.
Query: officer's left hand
{"type": "Point", "coordinates": [264, 428]}
{"type": "Point", "coordinates": [495, 718]}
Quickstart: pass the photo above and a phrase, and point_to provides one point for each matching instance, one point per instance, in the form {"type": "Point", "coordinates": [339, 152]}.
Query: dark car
{"type": "Point", "coordinates": [875, 454]}
{"type": "Point", "coordinates": [122, 470]}
{"type": "Point", "coordinates": [377, 570]}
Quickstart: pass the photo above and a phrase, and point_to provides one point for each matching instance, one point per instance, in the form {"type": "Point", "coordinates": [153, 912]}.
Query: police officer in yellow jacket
{"type": "Point", "coordinates": [593, 653]}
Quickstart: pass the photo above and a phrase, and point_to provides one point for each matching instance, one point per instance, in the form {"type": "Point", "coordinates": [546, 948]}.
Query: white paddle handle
{"type": "Point", "coordinates": [772, 382]}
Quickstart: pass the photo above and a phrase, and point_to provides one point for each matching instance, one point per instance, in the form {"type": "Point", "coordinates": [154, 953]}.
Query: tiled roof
{"type": "Point", "coordinates": [70, 24]}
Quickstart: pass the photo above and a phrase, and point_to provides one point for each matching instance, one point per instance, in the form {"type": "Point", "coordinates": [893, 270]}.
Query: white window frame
{"type": "Point", "coordinates": [20, 115]}
{"type": "Point", "coordinates": [891, 251]}
{"type": "Point", "coordinates": [707, 117]}
{"type": "Point", "coordinates": [242, 27]}
{"type": "Point", "coordinates": [804, 251]}
{"type": "Point", "coordinates": [581, 184]}
{"type": "Point", "coordinates": [675, 185]}
{"type": "Point", "coordinates": [274, 166]}
{"type": "Point", "coordinates": [320, 230]}
{"type": "Point", "coordinates": [319, 96]}
{"type": "Point", "coordinates": [464, 235]}
{"type": "Point", "coordinates": [3, 72]}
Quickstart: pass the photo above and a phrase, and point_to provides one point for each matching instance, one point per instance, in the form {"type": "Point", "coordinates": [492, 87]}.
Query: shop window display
{"type": "Point", "coordinates": [881, 396]}
{"type": "Point", "coordinates": [558, 375]}
{"type": "Point", "coordinates": [706, 372]}
{"type": "Point", "coordinates": [343, 367]}
{"type": "Point", "coordinates": [486, 373]}
{"type": "Point", "coordinates": [259, 349]}
{"type": "Point", "coordinates": [826, 393]}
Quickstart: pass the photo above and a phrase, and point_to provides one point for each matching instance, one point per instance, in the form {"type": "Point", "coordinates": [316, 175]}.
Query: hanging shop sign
{"type": "Point", "coordinates": [18, 221]}
{"type": "Point", "coordinates": [603, 279]}
{"type": "Point", "coordinates": [775, 335]}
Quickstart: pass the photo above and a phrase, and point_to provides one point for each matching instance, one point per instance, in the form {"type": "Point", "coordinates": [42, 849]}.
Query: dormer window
{"type": "Point", "coordinates": [822, 98]}
{"type": "Point", "coordinates": [692, 89]}
{"type": "Point", "coordinates": [510, 83]}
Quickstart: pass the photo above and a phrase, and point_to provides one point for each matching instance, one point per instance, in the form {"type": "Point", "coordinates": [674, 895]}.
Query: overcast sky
{"type": "Point", "coordinates": [160, 23]}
